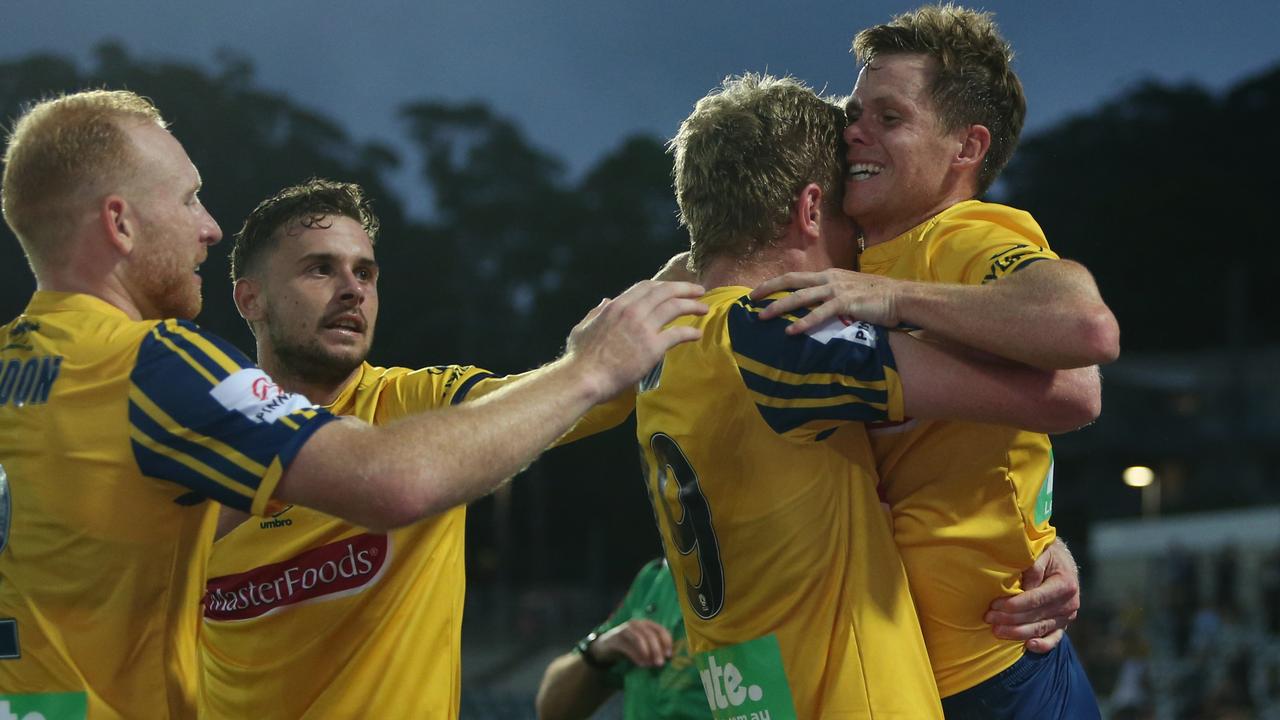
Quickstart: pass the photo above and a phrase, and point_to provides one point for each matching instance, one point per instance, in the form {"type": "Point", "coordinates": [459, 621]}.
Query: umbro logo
{"type": "Point", "coordinates": [275, 521]}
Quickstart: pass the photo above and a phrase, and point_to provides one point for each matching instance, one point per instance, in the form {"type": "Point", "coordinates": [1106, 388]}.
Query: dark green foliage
{"type": "Point", "coordinates": [1164, 193]}
{"type": "Point", "coordinates": [247, 144]}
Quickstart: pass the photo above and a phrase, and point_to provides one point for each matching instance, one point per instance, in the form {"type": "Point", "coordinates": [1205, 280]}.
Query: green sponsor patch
{"type": "Point", "coordinates": [1044, 501]}
{"type": "Point", "coordinates": [45, 706]}
{"type": "Point", "coordinates": [746, 681]}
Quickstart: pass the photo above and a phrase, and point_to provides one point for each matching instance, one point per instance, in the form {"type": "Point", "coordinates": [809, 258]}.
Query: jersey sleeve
{"type": "Point", "coordinates": [203, 416]}
{"type": "Point", "coordinates": [605, 416]}
{"type": "Point", "coordinates": [806, 386]}
{"type": "Point", "coordinates": [436, 387]}
{"type": "Point", "coordinates": [985, 243]}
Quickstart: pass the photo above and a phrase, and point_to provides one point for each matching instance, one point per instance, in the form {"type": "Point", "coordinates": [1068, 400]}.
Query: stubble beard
{"type": "Point", "coordinates": [167, 285]}
{"type": "Point", "coordinates": [309, 361]}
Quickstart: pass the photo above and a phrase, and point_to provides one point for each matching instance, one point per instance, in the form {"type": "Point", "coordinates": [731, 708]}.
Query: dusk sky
{"type": "Point", "coordinates": [579, 75]}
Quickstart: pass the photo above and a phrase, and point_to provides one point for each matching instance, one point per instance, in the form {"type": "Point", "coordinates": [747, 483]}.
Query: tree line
{"type": "Point", "coordinates": [1161, 191]}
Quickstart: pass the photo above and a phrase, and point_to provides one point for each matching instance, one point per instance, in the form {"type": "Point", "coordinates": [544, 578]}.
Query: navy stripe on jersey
{"type": "Point", "coordinates": [195, 452]}
{"type": "Point", "coordinates": [1013, 259]}
{"type": "Point", "coordinates": [1028, 263]}
{"type": "Point", "coordinates": [810, 390]}
{"type": "Point", "coordinates": [231, 351]}
{"type": "Point", "coordinates": [160, 466]}
{"type": "Point", "coordinates": [203, 416]}
{"type": "Point", "coordinates": [181, 339]}
{"type": "Point", "coordinates": [818, 376]}
{"type": "Point", "coordinates": [172, 382]}
{"type": "Point", "coordinates": [187, 499]}
{"type": "Point", "coordinates": [784, 420]}
{"type": "Point", "coordinates": [461, 393]}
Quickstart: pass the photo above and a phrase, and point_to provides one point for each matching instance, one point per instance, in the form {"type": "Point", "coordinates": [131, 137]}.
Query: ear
{"type": "Point", "coordinates": [119, 225]}
{"type": "Point", "coordinates": [973, 148]}
{"type": "Point", "coordinates": [808, 211]}
{"type": "Point", "coordinates": [247, 293]}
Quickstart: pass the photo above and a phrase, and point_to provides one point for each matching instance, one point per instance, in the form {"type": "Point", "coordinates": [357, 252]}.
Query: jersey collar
{"type": "Point", "coordinates": [49, 301]}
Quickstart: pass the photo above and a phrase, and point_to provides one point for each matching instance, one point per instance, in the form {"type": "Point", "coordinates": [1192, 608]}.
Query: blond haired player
{"type": "Point", "coordinates": [120, 421]}
{"type": "Point", "coordinates": [794, 598]}
{"type": "Point", "coordinates": [935, 115]}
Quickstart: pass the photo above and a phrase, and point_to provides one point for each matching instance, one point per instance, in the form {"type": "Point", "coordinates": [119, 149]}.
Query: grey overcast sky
{"type": "Point", "coordinates": [580, 75]}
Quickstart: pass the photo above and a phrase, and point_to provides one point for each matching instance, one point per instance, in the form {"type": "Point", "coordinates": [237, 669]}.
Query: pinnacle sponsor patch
{"type": "Point", "coordinates": [252, 393]}
{"type": "Point", "coordinates": [836, 328]}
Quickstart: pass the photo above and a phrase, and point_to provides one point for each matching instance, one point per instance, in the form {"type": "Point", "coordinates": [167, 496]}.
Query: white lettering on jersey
{"type": "Point", "coordinates": [726, 687]}
{"type": "Point", "coordinates": [251, 392]}
{"type": "Point", "coordinates": [838, 329]}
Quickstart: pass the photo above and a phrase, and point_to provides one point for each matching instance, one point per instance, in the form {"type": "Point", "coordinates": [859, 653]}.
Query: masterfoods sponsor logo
{"type": "Point", "coordinates": [342, 568]}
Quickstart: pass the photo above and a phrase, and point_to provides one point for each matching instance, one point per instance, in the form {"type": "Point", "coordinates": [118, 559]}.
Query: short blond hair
{"type": "Point", "coordinates": [60, 149]}
{"type": "Point", "coordinates": [742, 157]}
{"type": "Point", "coordinates": [974, 82]}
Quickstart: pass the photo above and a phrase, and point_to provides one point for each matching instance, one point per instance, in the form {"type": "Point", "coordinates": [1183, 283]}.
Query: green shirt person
{"type": "Point", "coordinates": [641, 649]}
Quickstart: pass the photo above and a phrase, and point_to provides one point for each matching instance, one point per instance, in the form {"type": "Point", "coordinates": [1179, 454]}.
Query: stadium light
{"type": "Point", "coordinates": [1139, 476]}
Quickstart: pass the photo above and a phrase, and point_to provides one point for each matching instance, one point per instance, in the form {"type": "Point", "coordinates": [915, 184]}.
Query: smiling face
{"type": "Point", "coordinates": [900, 158]}
{"type": "Point", "coordinates": [174, 231]}
{"type": "Point", "coordinates": [315, 300]}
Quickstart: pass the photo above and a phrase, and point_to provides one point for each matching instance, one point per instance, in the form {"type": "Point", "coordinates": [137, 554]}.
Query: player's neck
{"type": "Point", "coordinates": [765, 264]}
{"type": "Point", "coordinates": [317, 393]}
{"type": "Point", "coordinates": [727, 271]}
{"type": "Point", "coordinates": [881, 230]}
{"type": "Point", "coordinates": [110, 287]}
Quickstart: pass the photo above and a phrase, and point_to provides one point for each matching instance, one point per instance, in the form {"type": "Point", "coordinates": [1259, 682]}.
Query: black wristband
{"type": "Point", "coordinates": [583, 648]}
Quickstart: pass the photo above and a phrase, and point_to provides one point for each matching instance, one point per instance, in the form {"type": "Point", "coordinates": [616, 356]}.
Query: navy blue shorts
{"type": "Point", "coordinates": [1052, 686]}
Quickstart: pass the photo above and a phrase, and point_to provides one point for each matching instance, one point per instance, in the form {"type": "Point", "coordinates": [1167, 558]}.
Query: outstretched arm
{"type": "Point", "coordinates": [384, 477]}
{"type": "Point", "coordinates": [609, 414]}
{"type": "Point", "coordinates": [1047, 315]}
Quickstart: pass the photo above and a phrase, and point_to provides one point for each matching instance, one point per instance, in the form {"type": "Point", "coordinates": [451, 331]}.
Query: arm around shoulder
{"type": "Point", "coordinates": [945, 382]}
{"type": "Point", "coordinates": [1048, 315]}
{"type": "Point", "coordinates": [424, 464]}
{"type": "Point", "coordinates": [1069, 286]}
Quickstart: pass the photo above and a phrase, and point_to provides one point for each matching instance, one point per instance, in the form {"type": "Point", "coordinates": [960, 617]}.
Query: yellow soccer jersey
{"type": "Point", "coordinates": [308, 616]}
{"type": "Point", "coordinates": [783, 559]}
{"type": "Point", "coordinates": [113, 435]}
{"type": "Point", "coordinates": [971, 502]}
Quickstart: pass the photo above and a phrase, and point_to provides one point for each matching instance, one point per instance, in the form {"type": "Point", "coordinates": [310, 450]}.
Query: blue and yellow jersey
{"type": "Point", "coordinates": [970, 502]}
{"type": "Point", "coordinates": [791, 587]}
{"type": "Point", "coordinates": [308, 616]}
{"type": "Point", "coordinates": [114, 436]}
